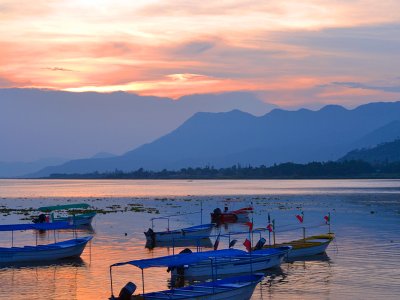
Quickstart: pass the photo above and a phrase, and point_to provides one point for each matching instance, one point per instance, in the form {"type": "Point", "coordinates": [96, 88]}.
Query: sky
{"type": "Point", "coordinates": [291, 53]}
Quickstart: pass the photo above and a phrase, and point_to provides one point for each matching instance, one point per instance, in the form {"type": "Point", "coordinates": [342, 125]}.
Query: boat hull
{"type": "Point", "coordinates": [236, 288]}
{"type": "Point", "coordinates": [240, 215]}
{"type": "Point", "coordinates": [309, 246]}
{"type": "Point", "coordinates": [308, 251]}
{"type": "Point", "coordinates": [230, 266]}
{"type": "Point", "coordinates": [51, 252]}
{"type": "Point", "coordinates": [78, 220]}
{"type": "Point", "coordinates": [196, 232]}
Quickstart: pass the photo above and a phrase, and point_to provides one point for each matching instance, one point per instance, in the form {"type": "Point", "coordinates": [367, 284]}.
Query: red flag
{"type": "Point", "coordinates": [216, 242]}
{"type": "Point", "coordinates": [250, 225]}
{"type": "Point", "coordinates": [327, 219]}
{"type": "Point", "coordinates": [300, 218]}
{"type": "Point", "coordinates": [247, 244]}
{"type": "Point", "coordinates": [269, 227]}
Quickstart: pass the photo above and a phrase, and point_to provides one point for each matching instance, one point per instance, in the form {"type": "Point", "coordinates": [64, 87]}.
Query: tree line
{"type": "Point", "coordinates": [312, 170]}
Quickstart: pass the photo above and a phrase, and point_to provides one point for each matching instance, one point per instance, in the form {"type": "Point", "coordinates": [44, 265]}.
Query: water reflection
{"type": "Point", "coordinates": [52, 281]}
{"type": "Point", "coordinates": [67, 262]}
{"type": "Point", "coordinates": [365, 263]}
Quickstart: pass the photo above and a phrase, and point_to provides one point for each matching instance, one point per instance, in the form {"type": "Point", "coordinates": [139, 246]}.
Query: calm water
{"type": "Point", "coordinates": [364, 263]}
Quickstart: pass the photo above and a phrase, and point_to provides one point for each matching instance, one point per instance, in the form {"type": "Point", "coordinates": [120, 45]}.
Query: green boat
{"type": "Point", "coordinates": [77, 214]}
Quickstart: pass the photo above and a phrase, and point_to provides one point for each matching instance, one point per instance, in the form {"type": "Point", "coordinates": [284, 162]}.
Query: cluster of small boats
{"type": "Point", "coordinates": [222, 274]}
{"type": "Point", "coordinates": [47, 221]}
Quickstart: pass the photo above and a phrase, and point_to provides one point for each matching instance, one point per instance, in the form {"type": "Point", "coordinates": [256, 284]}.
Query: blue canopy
{"type": "Point", "coordinates": [181, 259]}
{"type": "Point", "coordinates": [38, 226]}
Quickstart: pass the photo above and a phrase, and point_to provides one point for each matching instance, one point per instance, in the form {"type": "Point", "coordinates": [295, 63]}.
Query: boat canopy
{"type": "Point", "coordinates": [38, 226]}
{"type": "Point", "coordinates": [64, 207]}
{"type": "Point", "coordinates": [181, 259]}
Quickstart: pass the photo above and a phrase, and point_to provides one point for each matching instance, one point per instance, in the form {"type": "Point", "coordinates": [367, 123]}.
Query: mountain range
{"type": "Point", "coordinates": [235, 137]}
{"type": "Point", "coordinates": [37, 124]}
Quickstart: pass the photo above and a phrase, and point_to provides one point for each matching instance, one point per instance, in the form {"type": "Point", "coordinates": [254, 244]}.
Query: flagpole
{"type": "Point", "coordinates": [269, 232]}
{"type": "Point", "coordinates": [329, 221]}
{"type": "Point", "coordinates": [273, 230]}
{"type": "Point", "coordinates": [304, 227]}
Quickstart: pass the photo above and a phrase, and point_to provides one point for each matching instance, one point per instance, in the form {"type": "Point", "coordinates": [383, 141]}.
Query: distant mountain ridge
{"type": "Point", "coordinates": [36, 124]}
{"type": "Point", "coordinates": [384, 153]}
{"type": "Point", "coordinates": [225, 139]}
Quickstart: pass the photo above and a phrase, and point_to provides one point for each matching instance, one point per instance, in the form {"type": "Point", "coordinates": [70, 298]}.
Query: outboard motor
{"type": "Point", "coordinates": [127, 291]}
{"type": "Point", "coordinates": [151, 236]}
{"type": "Point", "coordinates": [260, 244]}
{"type": "Point", "coordinates": [217, 211]}
{"type": "Point", "coordinates": [186, 250]}
{"type": "Point", "coordinates": [40, 219]}
{"type": "Point", "coordinates": [232, 243]}
{"type": "Point", "coordinates": [180, 270]}
{"type": "Point", "coordinates": [216, 215]}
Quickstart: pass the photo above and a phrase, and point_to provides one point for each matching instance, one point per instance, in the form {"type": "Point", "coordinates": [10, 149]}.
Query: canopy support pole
{"type": "Point", "coordinates": [111, 282]}
{"type": "Point", "coordinates": [12, 238]}
{"type": "Point", "coordinates": [142, 282]}
{"type": "Point", "coordinates": [201, 212]}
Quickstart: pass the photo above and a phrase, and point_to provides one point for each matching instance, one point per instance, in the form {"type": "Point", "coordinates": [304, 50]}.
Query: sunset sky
{"type": "Point", "coordinates": [291, 53]}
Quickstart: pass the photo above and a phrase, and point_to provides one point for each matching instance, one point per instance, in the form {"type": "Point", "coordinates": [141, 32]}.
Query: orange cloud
{"type": "Point", "coordinates": [157, 46]}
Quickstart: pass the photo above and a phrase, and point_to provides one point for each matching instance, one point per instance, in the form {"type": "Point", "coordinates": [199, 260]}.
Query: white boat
{"type": "Point", "coordinates": [195, 232]}
{"type": "Point", "coordinates": [40, 253]}
{"type": "Point", "coordinates": [309, 246]}
{"type": "Point", "coordinates": [234, 288]}
{"type": "Point", "coordinates": [233, 262]}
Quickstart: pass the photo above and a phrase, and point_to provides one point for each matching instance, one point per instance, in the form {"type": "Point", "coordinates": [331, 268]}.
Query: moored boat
{"type": "Point", "coordinates": [231, 216]}
{"type": "Point", "coordinates": [40, 253]}
{"type": "Point", "coordinates": [195, 232]}
{"type": "Point", "coordinates": [234, 288]}
{"type": "Point", "coordinates": [77, 214]}
{"type": "Point", "coordinates": [308, 246]}
{"type": "Point", "coordinates": [233, 262]}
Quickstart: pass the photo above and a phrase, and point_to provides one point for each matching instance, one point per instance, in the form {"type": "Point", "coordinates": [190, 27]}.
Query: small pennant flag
{"type": "Point", "coordinates": [216, 242]}
{"type": "Point", "coordinates": [269, 227]}
{"type": "Point", "coordinates": [300, 217]}
{"type": "Point", "coordinates": [327, 218]}
{"type": "Point", "coordinates": [247, 244]}
{"type": "Point", "coordinates": [250, 225]}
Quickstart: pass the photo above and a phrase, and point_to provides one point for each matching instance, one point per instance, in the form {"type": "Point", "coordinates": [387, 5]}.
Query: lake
{"type": "Point", "coordinates": [362, 263]}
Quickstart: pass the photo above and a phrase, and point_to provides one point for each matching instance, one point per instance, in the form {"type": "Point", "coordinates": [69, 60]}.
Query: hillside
{"type": "Point", "coordinates": [381, 154]}
{"type": "Point", "coordinates": [225, 139]}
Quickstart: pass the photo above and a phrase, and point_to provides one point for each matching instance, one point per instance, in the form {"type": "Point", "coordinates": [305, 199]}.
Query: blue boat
{"type": "Point", "coordinates": [194, 232]}
{"type": "Point", "coordinates": [233, 261]}
{"type": "Point", "coordinates": [41, 253]}
{"type": "Point", "coordinates": [234, 288]}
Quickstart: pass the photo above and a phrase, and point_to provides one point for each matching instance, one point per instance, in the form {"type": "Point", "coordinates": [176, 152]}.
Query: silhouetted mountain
{"type": "Point", "coordinates": [16, 169]}
{"type": "Point", "coordinates": [388, 132]}
{"type": "Point", "coordinates": [381, 154]}
{"type": "Point", "coordinates": [103, 155]}
{"type": "Point", "coordinates": [46, 123]}
{"type": "Point", "coordinates": [225, 139]}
